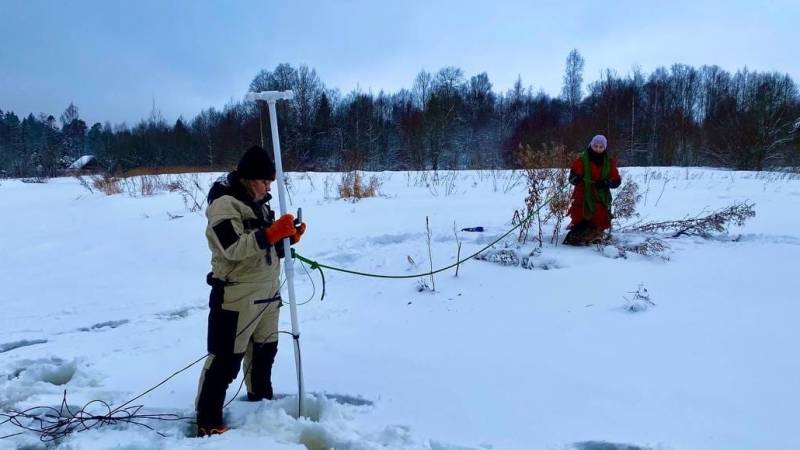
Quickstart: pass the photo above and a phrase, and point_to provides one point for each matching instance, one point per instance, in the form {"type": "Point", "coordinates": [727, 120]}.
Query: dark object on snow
{"type": "Point", "coordinates": [473, 229]}
{"type": "Point", "coordinates": [602, 445]}
{"type": "Point", "coordinates": [583, 233]}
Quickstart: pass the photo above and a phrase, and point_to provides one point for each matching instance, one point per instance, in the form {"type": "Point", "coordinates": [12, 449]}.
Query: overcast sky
{"type": "Point", "coordinates": [115, 58]}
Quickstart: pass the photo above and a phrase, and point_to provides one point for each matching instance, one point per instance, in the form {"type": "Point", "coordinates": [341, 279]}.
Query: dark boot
{"type": "Point", "coordinates": [580, 234]}
{"type": "Point", "coordinates": [261, 371]}
{"type": "Point", "coordinates": [220, 373]}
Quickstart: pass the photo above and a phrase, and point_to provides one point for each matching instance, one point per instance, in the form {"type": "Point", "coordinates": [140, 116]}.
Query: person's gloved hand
{"type": "Point", "coordinates": [299, 230]}
{"type": "Point", "coordinates": [601, 184]}
{"type": "Point", "coordinates": [280, 229]}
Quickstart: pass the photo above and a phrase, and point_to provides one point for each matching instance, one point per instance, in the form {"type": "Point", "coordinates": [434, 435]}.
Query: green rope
{"type": "Point", "coordinates": [315, 265]}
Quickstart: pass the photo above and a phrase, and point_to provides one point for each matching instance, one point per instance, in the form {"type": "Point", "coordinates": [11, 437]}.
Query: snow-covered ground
{"type": "Point", "coordinates": [105, 296]}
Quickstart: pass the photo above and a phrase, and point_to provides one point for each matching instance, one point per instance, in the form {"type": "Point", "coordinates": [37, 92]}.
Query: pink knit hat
{"type": "Point", "coordinates": [599, 139]}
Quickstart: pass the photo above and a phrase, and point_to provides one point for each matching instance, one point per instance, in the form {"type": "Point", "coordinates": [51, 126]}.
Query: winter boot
{"type": "Point", "coordinates": [218, 372]}
{"type": "Point", "coordinates": [211, 431]}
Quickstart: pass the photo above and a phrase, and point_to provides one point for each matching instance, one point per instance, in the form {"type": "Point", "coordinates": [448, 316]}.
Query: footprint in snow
{"type": "Point", "coordinates": [8, 346]}
{"type": "Point", "coordinates": [177, 314]}
{"type": "Point", "coordinates": [601, 445]}
{"type": "Point", "coordinates": [103, 325]}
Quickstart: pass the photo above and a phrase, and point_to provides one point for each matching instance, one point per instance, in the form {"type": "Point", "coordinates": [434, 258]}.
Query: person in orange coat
{"type": "Point", "coordinates": [594, 174]}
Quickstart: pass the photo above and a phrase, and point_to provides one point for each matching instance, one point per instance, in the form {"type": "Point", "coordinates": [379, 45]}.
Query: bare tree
{"type": "Point", "coordinates": [571, 92]}
{"type": "Point", "coordinates": [70, 114]}
{"type": "Point", "coordinates": [421, 91]}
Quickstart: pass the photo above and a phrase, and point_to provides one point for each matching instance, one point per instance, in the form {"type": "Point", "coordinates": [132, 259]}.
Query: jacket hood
{"type": "Point", "coordinates": [231, 184]}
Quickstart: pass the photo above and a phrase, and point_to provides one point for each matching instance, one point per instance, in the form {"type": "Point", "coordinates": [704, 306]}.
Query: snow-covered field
{"type": "Point", "coordinates": [105, 296]}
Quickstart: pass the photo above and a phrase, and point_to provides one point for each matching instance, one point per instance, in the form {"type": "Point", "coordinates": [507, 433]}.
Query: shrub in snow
{"type": "Point", "coordinates": [188, 185]}
{"type": "Point", "coordinates": [504, 257]}
{"type": "Point", "coordinates": [34, 180]}
{"type": "Point", "coordinates": [149, 185]}
{"type": "Point", "coordinates": [561, 197]}
{"type": "Point", "coordinates": [546, 173]}
{"type": "Point", "coordinates": [651, 246]}
{"type": "Point", "coordinates": [422, 286]}
{"type": "Point", "coordinates": [625, 200]}
{"type": "Point", "coordinates": [353, 187]}
{"type": "Point", "coordinates": [434, 182]}
{"type": "Point", "coordinates": [618, 246]}
{"type": "Point", "coordinates": [640, 301]}
{"type": "Point", "coordinates": [193, 193]}
{"type": "Point", "coordinates": [515, 257]}
{"type": "Point", "coordinates": [107, 185]}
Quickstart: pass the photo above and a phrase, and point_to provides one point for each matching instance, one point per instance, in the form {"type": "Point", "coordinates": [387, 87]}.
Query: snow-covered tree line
{"type": "Point", "coordinates": [679, 115]}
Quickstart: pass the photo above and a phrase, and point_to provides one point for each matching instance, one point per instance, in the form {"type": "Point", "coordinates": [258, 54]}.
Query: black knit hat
{"type": "Point", "coordinates": [256, 164]}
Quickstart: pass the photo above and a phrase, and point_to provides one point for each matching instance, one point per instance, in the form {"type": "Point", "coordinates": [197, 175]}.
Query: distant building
{"type": "Point", "coordinates": [85, 165]}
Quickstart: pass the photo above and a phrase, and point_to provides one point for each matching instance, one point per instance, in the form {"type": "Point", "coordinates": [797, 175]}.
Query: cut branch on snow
{"type": "Point", "coordinates": [702, 225]}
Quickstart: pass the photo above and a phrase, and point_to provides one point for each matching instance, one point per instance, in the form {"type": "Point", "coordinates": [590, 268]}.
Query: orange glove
{"type": "Point", "coordinates": [299, 232]}
{"type": "Point", "coordinates": [280, 229]}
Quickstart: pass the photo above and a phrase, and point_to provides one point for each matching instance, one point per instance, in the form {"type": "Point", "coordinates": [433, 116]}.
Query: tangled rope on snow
{"type": "Point", "coordinates": [52, 423]}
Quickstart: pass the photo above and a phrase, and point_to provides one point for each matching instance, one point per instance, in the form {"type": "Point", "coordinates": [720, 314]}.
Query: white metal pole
{"type": "Point", "coordinates": [288, 261]}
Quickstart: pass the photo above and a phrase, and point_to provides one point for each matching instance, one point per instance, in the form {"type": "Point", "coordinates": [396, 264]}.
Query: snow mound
{"type": "Point", "coordinates": [25, 379]}
{"type": "Point", "coordinates": [532, 260]}
{"type": "Point", "coordinates": [50, 370]}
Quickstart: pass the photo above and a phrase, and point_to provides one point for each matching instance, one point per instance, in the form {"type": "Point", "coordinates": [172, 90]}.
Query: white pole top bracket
{"type": "Point", "coordinates": [270, 96]}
